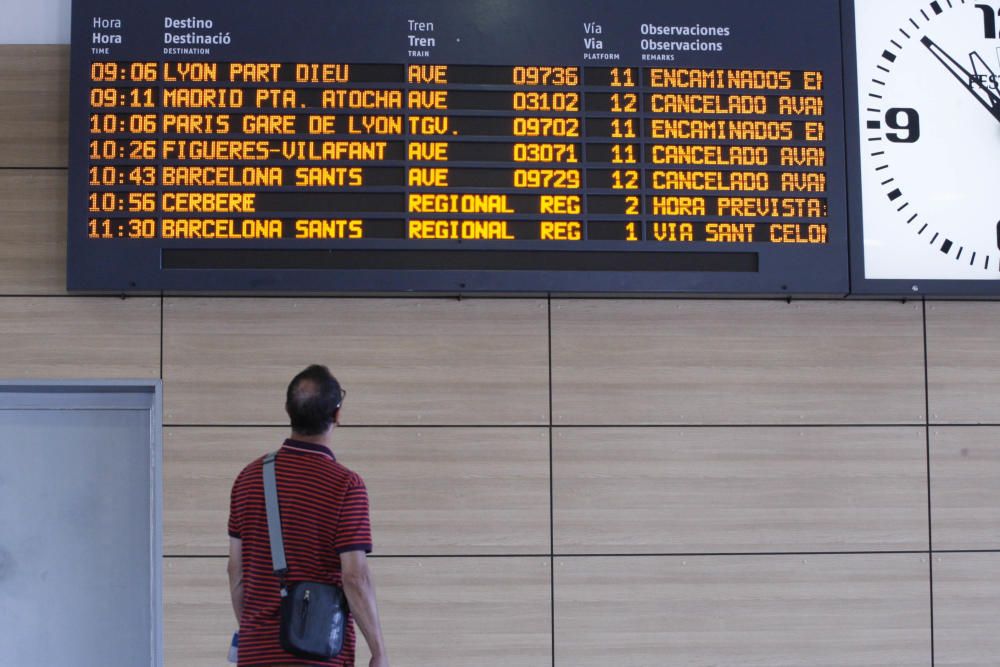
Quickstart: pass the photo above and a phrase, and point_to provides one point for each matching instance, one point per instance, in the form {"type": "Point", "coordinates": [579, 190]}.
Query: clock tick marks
{"type": "Point", "coordinates": [898, 123]}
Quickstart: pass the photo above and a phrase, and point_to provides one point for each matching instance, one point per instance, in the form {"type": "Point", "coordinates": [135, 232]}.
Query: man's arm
{"type": "Point", "coordinates": [360, 590]}
{"type": "Point", "coordinates": [235, 569]}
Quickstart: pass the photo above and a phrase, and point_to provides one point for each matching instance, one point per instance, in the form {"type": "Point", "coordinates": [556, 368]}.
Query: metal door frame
{"type": "Point", "coordinates": [112, 395]}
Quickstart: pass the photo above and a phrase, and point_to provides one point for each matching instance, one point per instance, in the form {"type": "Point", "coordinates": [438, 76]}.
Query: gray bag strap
{"type": "Point", "coordinates": [274, 519]}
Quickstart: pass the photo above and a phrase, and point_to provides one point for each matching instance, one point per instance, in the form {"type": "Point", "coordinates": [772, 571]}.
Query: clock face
{"type": "Point", "coordinates": [929, 92]}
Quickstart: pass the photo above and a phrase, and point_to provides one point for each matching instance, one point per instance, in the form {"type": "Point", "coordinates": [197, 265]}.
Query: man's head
{"type": "Point", "coordinates": [313, 400]}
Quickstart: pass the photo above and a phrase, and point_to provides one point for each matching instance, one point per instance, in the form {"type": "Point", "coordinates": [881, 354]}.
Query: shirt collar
{"type": "Point", "coordinates": [307, 448]}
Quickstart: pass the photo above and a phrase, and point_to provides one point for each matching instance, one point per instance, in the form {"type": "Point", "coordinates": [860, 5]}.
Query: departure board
{"type": "Point", "coordinates": [482, 146]}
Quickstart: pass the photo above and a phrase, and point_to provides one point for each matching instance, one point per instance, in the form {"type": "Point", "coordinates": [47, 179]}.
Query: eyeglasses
{"type": "Point", "coordinates": [343, 395]}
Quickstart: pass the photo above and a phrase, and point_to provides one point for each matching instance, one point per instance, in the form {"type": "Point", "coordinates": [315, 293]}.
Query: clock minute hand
{"type": "Point", "coordinates": [965, 77]}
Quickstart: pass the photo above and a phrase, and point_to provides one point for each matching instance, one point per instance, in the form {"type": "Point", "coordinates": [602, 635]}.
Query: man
{"type": "Point", "coordinates": [327, 536]}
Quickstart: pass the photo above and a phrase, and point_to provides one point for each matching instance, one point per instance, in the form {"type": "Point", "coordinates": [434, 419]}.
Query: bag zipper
{"type": "Point", "coordinates": [305, 612]}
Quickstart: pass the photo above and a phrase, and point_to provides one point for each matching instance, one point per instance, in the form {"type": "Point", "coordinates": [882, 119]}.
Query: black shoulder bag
{"type": "Point", "coordinates": [313, 614]}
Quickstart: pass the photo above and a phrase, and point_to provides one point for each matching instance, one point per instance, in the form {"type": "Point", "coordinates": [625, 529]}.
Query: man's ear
{"type": "Point", "coordinates": [336, 416]}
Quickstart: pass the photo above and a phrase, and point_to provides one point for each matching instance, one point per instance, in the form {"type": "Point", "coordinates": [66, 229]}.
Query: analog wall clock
{"type": "Point", "coordinates": [929, 118]}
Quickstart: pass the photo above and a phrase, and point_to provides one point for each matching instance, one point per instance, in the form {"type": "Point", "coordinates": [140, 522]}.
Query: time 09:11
{"type": "Point", "coordinates": [122, 97]}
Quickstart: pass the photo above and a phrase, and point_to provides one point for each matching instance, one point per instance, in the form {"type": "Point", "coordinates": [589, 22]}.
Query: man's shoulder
{"type": "Point", "coordinates": [341, 473]}
{"type": "Point", "coordinates": [310, 465]}
{"type": "Point", "coordinates": [353, 478]}
{"type": "Point", "coordinates": [252, 469]}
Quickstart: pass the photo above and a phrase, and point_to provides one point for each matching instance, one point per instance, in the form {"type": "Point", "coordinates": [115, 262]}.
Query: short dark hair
{"type": "Point", "coordinates": [312, 400]}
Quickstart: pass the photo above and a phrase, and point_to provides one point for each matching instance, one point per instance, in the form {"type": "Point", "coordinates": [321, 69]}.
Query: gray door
{"type": "Point", "coordinates": [80, 572]}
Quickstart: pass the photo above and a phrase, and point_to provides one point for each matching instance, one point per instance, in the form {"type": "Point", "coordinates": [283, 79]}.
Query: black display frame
{"type": "Point", "coordinates": [862, 286]}
{"type": "Point", "coordinates": [779, 272]}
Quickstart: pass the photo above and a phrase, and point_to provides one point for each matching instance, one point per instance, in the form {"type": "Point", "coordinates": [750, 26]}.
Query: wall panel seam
{"type": "Point", "coordinates": [568, 426]}
{"type": "Point", "coordinates": [552, 501]}
{"type": "Point", "coordinates": [930, 513]}
{"type": "Point", "coordinates": [575, 556]}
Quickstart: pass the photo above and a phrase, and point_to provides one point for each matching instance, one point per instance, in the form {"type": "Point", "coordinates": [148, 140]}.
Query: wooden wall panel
{"type": "Point", "coordinates": [460, 612]}
{"type": "Point", "coordinates": [965, 487]}
{"type": "Point", "coordinates": [198, 619]}
{"type": "Point", "coordinates": [403, 361]}
{"type": "Point", "coordinates": [455, 491]}
{"type": "Point", "coordinates": [962, 340]}
{"type": "Point", "coordinates": [717, 490]}
{"type": "Point", "coordinates": [34, 105]}
{"type": "Point", "coordinates": [199, 466]}
{"type": "Point", "coordinates": [87, 337]}
{"type": "Point", "coordinates": [32, 231]}
{"type": "Point", "coordinates": [446, 612]}
{"type": "Point", "coordinates": [752, 611]}
{"type": "Point", "coordinates": [967, 609]}
{"type": "Point", "coordinates": [729, 362]}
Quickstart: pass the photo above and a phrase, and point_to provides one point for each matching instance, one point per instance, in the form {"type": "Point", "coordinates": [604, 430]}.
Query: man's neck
{"type": "Point", "coordinates": [321, 439]}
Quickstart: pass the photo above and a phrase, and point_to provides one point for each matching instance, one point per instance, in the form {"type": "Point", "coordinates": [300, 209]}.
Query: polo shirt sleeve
{"type": "Point", "coordinates": [354, 532]}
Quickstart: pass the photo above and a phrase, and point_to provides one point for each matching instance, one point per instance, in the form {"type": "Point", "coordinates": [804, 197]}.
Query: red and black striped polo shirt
{"type": "Point", "coordinates": [324, 513]}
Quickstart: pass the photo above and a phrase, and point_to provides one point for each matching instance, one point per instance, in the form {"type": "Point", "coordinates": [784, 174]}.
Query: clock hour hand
{"type": "Point", "coordinates": [969, 80]}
